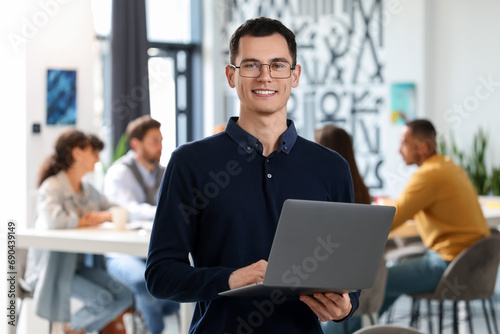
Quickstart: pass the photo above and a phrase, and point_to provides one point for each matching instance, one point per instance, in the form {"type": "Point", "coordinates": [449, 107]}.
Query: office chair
{"type": "Point", "coordinates": [470, 276]}
{"type": "Point", "coordinates": [387, 329]}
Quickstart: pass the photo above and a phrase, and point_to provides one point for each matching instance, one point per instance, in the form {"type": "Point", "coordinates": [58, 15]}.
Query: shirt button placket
{"type": "Point", "coordinates": [268, 173]}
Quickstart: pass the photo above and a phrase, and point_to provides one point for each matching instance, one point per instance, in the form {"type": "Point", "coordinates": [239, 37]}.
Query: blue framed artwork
{"type": "Point", "coordinates": [403, 103]}
{"type": "Point", "coordinates": [61, 97]}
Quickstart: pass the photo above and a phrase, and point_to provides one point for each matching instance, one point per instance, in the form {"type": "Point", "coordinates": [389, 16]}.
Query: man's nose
{"type": "Point", "coordinates": [266, 74]}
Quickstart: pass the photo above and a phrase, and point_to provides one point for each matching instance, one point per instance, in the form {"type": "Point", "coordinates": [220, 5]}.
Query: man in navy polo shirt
{"type": "Point", "coordinates": [221, 198]}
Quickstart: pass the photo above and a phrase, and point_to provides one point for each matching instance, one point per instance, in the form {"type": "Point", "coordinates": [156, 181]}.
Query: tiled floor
{"type": "Point", "coordinates": [172, 325]}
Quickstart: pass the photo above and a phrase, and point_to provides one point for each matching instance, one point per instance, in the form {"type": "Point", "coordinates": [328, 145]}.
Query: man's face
{"type": "Point", "coordinates": [262, 95]}
{"type": "Point", "coordinates": [409, 148]}
{"type": "Point", "coordinates": [150, 146]}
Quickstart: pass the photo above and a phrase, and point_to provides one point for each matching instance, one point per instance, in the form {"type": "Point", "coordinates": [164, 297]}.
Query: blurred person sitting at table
{"type": "Point", "coordinates": [66, 201]}
{"type": "Point", "coordinates": [441, 199]}
{"type": "Point", "coordinates": [337, 139]}
{"type": "Point", "coordinates": [133, 181]}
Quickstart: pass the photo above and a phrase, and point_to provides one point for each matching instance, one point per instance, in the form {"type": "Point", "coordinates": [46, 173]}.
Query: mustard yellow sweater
{"type": "Point", "coordinates": [444, 204]}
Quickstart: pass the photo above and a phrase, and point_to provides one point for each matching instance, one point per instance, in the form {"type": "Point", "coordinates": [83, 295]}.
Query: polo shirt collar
{"type": "Point", "coordinates": [249, 143]}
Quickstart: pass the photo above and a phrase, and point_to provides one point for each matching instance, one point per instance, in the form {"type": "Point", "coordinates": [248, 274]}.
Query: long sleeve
{"type": "Point", "coordinates": [52, 213]}
{"type": "Point", "coordinates": [58, 207]}
{"type": "Point", "coordinates": [169, 273]}
{"type": "Point", "coordinates": [417, 195]}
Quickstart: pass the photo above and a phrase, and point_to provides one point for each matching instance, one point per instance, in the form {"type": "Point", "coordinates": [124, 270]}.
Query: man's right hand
{"type": "Point", "coordinates": [247, 275]}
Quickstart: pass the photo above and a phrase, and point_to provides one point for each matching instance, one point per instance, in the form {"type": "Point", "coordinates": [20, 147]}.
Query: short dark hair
{"type": "Point", "coordinates": [422, 128]}
{"type": "Point", "coordinates": [262, 27]}
{"type": "Point", "coordinates": [140, 126]}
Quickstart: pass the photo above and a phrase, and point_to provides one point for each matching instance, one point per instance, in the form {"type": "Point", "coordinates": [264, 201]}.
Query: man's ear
{"type": "Point", "coordinates": [425, 148]}
{"type": "Point", "coordinates": [296, 76]}
{"type": "Point", "coordinates": [134, 143]}
{"type": "Point", "coordinates": [230, 73]}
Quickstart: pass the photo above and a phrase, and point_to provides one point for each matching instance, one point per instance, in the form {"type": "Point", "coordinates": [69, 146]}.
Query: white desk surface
{"type": "Point", "coordinates": [97, 240]}
{"type": "Point", "coordinates": [491, 209]}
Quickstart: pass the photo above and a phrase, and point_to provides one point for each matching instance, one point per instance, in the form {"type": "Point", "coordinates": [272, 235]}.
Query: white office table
{"type": "Point", "coordinates": [491, 209]}
{"type": "Point", "coordinates": [98, 240]}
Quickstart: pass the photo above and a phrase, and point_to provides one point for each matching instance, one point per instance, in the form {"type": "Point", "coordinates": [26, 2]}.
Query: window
{"type": "Point", "coordinates": [175, 76]}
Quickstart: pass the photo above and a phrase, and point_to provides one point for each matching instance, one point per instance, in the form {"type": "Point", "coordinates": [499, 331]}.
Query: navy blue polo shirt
{"type": "Point", "coordinates": [220, 200]}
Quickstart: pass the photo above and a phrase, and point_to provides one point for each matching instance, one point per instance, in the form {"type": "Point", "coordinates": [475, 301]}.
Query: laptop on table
{"type": "Point", "coordinates": [323, 246]}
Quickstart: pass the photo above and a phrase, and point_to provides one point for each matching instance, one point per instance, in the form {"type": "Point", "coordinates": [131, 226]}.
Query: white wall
{"type": "Point", "coordinates": [465, 51]}
{"type": "Point", "coordinates": [405, 47]}
{"type": "Point", "coordinates": [66, 41]}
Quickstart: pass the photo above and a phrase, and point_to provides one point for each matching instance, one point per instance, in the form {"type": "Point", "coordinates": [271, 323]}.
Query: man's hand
{"type": "Point", "coordinates": [250, 274]}
{"type": "Point", "coordinates": [329, 306]}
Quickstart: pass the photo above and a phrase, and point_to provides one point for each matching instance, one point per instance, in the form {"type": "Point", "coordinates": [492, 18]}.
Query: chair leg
{"type": "Point", "coordinates": [345, 327]}
{"type": "Point", "coordinates": [19, 311]}
{"type": "Point", "coordinates": [455, 317]}
{"type": "Point", "coordinates": [429, 315]}
{"type": "Point", "coordinates": [493, 315]}
{"type": "Point", "coordinates": [415, 313]}
{"type": "Point", "coordinates": [469, 317]}
{"type": "Point", "coordinates": [486, 316]}
{"type": "Point", "coordinates": [372, 319]}
{"type": "Point", "coordinates": [441, 317]}
{"type": "Point", "coordinates": [389, 314]}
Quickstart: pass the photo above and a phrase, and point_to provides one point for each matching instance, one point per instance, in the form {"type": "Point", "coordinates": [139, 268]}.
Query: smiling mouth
{"type": "Point", "coordinates": [264, 92]}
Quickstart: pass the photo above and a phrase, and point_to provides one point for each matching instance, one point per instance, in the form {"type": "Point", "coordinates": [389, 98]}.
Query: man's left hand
{"type": "Point", "coordinates": [329, 306]}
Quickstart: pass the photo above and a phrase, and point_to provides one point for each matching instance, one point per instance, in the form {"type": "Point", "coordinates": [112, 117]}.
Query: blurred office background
{"type": "Point", "coordinates": [367, 65]}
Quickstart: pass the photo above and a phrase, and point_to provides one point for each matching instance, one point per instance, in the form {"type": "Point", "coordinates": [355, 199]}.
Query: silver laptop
{"type": "Point", "coordinates": [323, 246]}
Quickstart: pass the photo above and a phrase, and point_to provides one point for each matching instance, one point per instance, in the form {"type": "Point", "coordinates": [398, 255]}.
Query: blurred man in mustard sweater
{"type": "Point", "coordinates": [443, 203]}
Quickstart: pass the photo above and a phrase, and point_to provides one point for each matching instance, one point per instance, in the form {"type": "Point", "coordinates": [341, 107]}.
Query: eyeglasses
{"type": "Point", "coordinates": [277, 69]}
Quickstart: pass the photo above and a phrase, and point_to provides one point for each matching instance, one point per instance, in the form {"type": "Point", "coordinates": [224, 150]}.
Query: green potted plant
{"type": "Point", "coordinates": [494, 182]}
{"type": "Point", "coordinates": [474, 164]}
